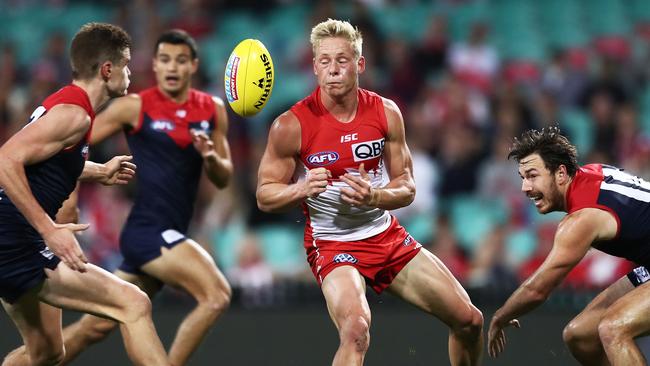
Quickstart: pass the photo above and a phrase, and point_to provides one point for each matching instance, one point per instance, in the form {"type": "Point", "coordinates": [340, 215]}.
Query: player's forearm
{"type": "Point", "coordinates": [15, 185]}
{"type": "Point", "coordinates": [278, 197]}
{"type": "Point", "coordinates": [522, 301]}
{"type": "Point", "coordinates": [218, 170]}
{"type": "Point", "coordinates": [93, 172]}
{"type": "Point", "coordinates": [398, 193]}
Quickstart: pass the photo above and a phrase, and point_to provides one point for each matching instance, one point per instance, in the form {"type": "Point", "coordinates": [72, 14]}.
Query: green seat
{"type": "Point", "coordinates": [520, 245]}
{"type": "Point", "coordinates": [472, 219]}
{"type": "Point", "coordinates": [283, 248]}
{"type": "Point", "coordinates": [580, 130]}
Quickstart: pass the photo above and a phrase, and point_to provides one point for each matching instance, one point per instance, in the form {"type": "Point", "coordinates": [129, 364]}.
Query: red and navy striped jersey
{"type": "Point", "coordinates": [626, 197]}
{"type": "Point", "coordinates": [169, 167]}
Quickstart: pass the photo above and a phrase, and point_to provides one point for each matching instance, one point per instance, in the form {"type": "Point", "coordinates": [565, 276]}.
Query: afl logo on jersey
{"type": "Point", "coordinates": [323, 158]}
{"type": "Point", "coordinates": [84, 151]}
{"type": "Point", "coordinates": [162, 126]}
{"type": "Point", "coordinates": [368, 149]}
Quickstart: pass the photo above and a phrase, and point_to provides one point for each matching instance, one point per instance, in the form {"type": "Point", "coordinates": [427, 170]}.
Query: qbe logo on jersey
{"type": "Point", "coordinates": [368, 149]}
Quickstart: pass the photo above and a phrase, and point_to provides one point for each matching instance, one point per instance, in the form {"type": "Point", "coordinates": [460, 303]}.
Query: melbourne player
{"type": "Point", "coordinates": [39, 168]}
{"type": "Point", "coordinates": [327, 153]}
{"type": "Point", "coordinates": [608, 209]}
{"type": "Point", "coordinates": [174, 132]}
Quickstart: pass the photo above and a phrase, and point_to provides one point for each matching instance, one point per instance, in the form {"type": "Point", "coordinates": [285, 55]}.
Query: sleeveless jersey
{"type": "Point", "coordinates": [626, 197]}
{"type": "Point", "coordinates": [169, 167]}
{"type": "Point", "coordinates": [340, 148]}
{"type": "Point", "coordinates": [52, 180]}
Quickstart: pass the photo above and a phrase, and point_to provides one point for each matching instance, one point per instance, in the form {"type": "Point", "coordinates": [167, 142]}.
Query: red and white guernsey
{"type": "Point", "coordinates": [341, 148]}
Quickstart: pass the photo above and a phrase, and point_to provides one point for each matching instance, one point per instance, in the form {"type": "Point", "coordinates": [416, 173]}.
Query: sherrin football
{"type": "Point", "coordinates": [249, 77]}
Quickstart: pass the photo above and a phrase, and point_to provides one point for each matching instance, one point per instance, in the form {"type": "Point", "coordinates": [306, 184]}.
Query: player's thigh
{"type": "Point", "coordinates": [630, 311]}
{"type": "Point", "coordinates": [39, 324]}
{"type": "Point", "coordinates": [427, 283]}
{"type": "Point", "coordinates": [95, 291]}
{"type": "Point", "coordinates": [190, 267]}
{"type": "Point", "coordinates": [345, 294]}
{"type": "Point", "coordinates": [587, 321]}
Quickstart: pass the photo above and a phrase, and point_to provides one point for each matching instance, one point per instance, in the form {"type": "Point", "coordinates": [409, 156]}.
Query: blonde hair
{"type": "Point", "coordinates": [332, 28]}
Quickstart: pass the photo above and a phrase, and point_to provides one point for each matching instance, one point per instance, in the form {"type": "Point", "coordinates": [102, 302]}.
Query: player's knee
{"type": "Point", "coordinates": [138, 305]}
{"type": "Point", "coordinates": [612, 329]}
{"type": "Point", "coordinates": [355, 330]}
{"type": "Point", "coordinates": [218, 299]}
{"type": "Point", "coordinates": [42, 356]}
{"type": "Point", "coordinates": [469, 323]}
{"type": "Point", "coordinates": [575, 335]}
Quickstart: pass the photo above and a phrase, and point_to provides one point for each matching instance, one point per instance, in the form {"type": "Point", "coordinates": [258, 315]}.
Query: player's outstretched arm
{"type": "Point", "coordinates": [63, 126]}
{"type": "Point", "coordinates": [215, 150]}
{"type": "Point", "coordinates": [120, 113]}
{"type": "Point", "coordinates": [275, 192]}
{"type": "Point", "coordinates": [400, 191]}
{"type": "Point", "coordinates": [573, 238]}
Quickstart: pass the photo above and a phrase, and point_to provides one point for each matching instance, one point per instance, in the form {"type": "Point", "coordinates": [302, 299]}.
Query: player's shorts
{"type": "Point", "coordinates": [142, 244]}
{"type": "Point", "coordinates": [22, 265]}
{"type": "Point", "coordinates": [378, 258]}
{"type": "Point", "coordinates": [639, 276]}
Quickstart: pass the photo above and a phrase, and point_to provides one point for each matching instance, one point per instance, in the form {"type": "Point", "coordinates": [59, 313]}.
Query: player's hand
{"type": "Point", "coordinates": [63, 244]}
{"type": "Point", "coordinates": [118, 170]}
{"type": "Point", "coordinates": [202, 143]}
{"type": "Point", "coordinates": [316, 182]}
{"type": "Point", "coordinates": [497, 336]}
{"type": "Point", "coordinates": [360, 191]}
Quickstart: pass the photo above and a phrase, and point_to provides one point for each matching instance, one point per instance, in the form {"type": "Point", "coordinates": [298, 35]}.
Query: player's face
{"type": "Point", "coordinates": [539, 184]}
{"type": "Point", "coordinates": [336, 66]}
{"type": "Point", "coordinates": [174, 67]}
{"type": "Point", "coordinates": [118, 83]}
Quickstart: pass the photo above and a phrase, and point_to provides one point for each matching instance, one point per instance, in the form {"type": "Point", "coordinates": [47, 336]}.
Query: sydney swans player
{"type": "Point", "coordinates": [327, 153]}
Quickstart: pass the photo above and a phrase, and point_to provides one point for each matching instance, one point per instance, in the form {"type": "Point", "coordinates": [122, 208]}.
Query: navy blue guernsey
{"type": "Point", "coordinates": [169, 167]}
{"type": "Point", "coordinates": [52, 180]}
{"type": "Point", "coordinates": [626, 197]}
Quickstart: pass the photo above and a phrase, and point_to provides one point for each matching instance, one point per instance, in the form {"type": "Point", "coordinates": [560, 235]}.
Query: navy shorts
{"type": "Point", "coordinates": [639, 276]}
{"type": "Point", "coordinates": [142, 244]}
{"type": "Point", "coordinates": [22, 266]}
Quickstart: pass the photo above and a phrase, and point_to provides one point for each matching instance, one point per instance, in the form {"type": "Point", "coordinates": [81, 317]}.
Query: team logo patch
{"type": "Point", "coordinates": [47, 253]}
{"type": "Point", "coordinates": [408, 240]}
{"type": "Point", "coordinates": [642, 274]}
{"type": "Point", "coordinates": [344, 258]}
{"type": "Point", "coordinates": [323, 158]}
{"type": "Point", "coordinates": [84, 151]}
{"type": "Point", "coordinates": [368, 149]}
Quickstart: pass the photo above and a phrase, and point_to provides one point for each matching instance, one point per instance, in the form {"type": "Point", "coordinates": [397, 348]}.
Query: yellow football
{"type": "Point", "coordinates": [249, 77]}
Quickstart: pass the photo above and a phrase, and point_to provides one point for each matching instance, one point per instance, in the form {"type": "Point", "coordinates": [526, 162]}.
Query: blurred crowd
{"type": "Point", "coordinates": [465, 78]}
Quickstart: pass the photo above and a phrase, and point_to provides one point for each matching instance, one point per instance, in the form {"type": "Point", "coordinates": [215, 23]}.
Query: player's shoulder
{"type": "Point", "coordinates": [286, 124]}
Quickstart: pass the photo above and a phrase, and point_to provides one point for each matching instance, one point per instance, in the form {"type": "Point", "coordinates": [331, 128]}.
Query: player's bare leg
{"type": "Point", "coordinates": [39, 325]}
{"type": "Point", "coordinates": [426, 283]}
{"type": "Point", "coordinates": [203, 281]}
{"type": "Point", "coordinates": [89, 329]}
{"type": "Point", "coordinates": [345, 292]}
{"type": "Point", "coordinates": [581, 334]}
{"type": "Point", "coordinates": [97, 292]}
{"type": "Point", "coordinates": [626, 319]}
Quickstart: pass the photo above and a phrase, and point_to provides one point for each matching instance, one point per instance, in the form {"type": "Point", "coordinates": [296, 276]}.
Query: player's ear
{"type": "Point", "coordinates": [561, 174]}
{"type": "Point", "coordinates": [106, 69]}
{"type": "Point", "coordinates": [361, 64]}
{"type": "Point", "coordinates": [313, 64]}
{"type": "Point", "coordinates": [195, 65]}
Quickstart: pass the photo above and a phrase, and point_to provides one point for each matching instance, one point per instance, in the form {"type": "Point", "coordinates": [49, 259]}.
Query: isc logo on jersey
{"type": "Point", "coordinates": [368, 149]}
{"type": "Point", "coordinates": [323, 158]}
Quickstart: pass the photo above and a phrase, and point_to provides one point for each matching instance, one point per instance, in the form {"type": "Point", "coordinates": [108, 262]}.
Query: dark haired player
{"type": "Point", "coordinates": [608, 209]}
{"type": "Point", "coordinates": [39, 168]}
{"type": "Point", "coordinates": [174, 132]}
